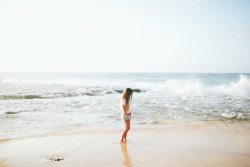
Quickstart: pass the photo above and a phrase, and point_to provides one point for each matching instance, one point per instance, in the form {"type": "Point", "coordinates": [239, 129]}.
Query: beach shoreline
{"type": "Point", "coordinates": [200, 146]}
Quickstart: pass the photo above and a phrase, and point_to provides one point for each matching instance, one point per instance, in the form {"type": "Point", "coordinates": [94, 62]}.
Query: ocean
{"type": "Point", "coordinates": [35, 104]}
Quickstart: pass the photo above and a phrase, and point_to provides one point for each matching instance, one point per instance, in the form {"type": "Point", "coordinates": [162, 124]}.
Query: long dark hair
{"type": "Point", "coordinates": [127, 95]}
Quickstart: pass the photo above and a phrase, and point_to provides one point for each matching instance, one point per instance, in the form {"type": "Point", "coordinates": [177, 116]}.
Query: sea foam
{"type": "Point", "coordinates": [195, 86]}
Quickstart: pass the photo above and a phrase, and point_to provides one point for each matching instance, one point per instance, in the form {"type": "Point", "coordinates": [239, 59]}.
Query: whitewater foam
{"type": "Point", "coordinates": [36, 103]}
{"type": "Point", "coordinates": [195, 87]}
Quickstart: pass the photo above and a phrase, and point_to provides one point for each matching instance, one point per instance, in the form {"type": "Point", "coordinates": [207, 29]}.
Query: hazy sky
{"type": "Point", "coordinates": [125, 36]}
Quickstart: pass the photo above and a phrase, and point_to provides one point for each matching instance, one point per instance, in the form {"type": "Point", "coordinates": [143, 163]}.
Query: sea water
{"type": "Point", "coordinates": [47, 103]}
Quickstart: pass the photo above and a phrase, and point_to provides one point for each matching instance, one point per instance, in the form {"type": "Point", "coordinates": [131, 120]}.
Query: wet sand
{"type": "Point", "coordinates": [148, 147]}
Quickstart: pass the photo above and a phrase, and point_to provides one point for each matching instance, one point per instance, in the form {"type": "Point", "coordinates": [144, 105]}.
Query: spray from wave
{"type": "Point", "coordinates": [195, 86]}
{"type": "Point", "coordinates": [68, 86]}
{"type": "Point", "coordinates": [240, 88]}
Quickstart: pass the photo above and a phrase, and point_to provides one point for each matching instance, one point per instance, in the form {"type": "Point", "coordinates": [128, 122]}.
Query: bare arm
{"type": "Point", "coordinates": [125, 112]}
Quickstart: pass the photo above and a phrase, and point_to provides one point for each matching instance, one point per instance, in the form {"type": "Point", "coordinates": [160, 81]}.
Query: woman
{"type": "Point", "coordinates": [126, 113]}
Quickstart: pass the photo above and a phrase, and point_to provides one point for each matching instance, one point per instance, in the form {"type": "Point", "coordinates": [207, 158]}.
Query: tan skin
{"type": "Point", "coordinates": [127, 125]}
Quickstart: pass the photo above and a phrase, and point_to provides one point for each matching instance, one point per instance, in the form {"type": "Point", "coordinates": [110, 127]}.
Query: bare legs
{"type": "Point", "coordinates": [125, 132]}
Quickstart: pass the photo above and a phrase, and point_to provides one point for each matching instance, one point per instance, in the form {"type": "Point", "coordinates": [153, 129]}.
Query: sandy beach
{"type": "Point", "coordinates": [74, 72]}
{"type": "Point", "coordinates": [196, 146]}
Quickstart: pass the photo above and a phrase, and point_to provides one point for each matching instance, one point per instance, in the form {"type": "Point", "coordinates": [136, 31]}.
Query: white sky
{"type": "Point", "coordinates": [125, 36]}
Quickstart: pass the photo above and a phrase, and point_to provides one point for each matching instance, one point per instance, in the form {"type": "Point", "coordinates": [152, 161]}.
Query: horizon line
{"type": "Point", "coordinates": [137, 72]}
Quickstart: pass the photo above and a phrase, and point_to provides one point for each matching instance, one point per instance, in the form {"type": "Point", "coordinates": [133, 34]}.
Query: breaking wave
{"type": "Point", "coordinates": [65, 95]}
{"type": "Point", "coordinates": [195, 86]}
{"type": "Point", "coordinates": [47, 88]}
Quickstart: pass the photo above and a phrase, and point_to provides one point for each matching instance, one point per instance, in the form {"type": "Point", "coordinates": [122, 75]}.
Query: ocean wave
{"type": "Point", "coordinates": [49, 96]}
{"type": "Point", "coordinates": [195, 87]}
{"type": "Point", "coordinates": [240, 88]}
{"type": "Point", "coordinates": [92, 85]}
{"type": "Point", "coordinates": [229, 115]}
{"type": "Point", "coordinates": [93, 92]}
{"type": "Point", "coordinates": [20, 97]}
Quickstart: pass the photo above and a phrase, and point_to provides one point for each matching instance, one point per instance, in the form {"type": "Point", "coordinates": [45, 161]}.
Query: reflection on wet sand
{"type": "Point", "coordinates": [126, 161]}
